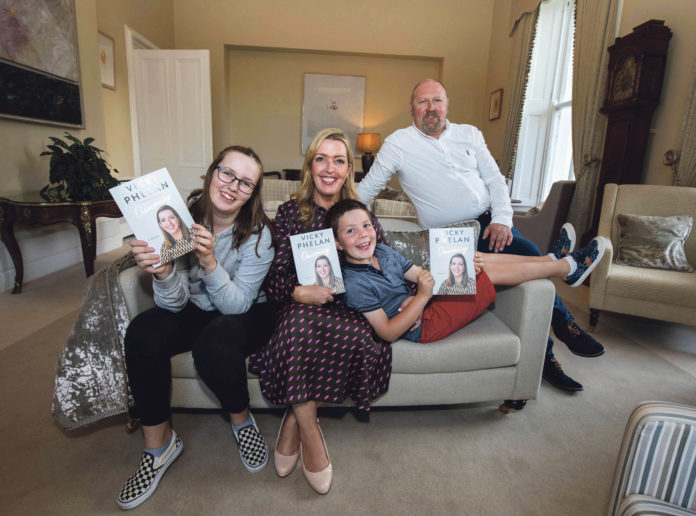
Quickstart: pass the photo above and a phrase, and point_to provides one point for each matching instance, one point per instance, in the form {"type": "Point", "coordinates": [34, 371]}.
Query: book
{"type": "Point", "coordinates": [156, 213]}
{"type": "Point", "coordinates": [452, 260]}
{"type": "Point", "coordinates": [316, 260]}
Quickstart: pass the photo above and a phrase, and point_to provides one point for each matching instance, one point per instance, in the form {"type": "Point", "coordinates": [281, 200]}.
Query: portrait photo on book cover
{"type": "Point", "coordinates": [452, 261]}
{"type": "Point", "coordinates": [156, 213]}
{"type": "Point", "coordinates": [316, 260]}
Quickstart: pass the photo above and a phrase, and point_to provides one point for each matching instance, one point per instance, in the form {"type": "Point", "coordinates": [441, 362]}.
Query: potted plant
{"type": "Point", "coordinates": [78, 172]}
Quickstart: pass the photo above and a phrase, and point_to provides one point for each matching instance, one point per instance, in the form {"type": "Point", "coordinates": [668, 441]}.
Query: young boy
{"type": "Point", "coordinates": [376, 279]}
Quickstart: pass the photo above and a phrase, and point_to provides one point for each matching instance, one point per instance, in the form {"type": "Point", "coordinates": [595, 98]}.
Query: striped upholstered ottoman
{"type": "Point", "coordinates": [656, 470]}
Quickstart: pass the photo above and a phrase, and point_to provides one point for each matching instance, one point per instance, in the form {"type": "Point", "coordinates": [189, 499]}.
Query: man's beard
{"type": "Point", "coordinates": [431, 127]}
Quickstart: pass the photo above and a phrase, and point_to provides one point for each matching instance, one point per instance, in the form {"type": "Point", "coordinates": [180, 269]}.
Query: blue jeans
{"type": "Point", "coordinates": [524, 247]}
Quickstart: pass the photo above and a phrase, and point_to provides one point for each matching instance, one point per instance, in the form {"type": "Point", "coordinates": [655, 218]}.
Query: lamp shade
{"type": "Point", "coordinates": [367, 142]}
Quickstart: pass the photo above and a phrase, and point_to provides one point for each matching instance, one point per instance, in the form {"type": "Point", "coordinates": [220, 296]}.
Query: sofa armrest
{"type": "Point", "coordinates": [526, 309]}
{"type": "Point", "coordinates": [136, 286]}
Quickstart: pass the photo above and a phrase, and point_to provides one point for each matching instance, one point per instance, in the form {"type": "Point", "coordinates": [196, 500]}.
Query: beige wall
{"type": "Point", "coordinates": [679, 16]}
{"type": "Point", "coordinates": [498, 76]}
{"type": "Point", "coordinates": [154, 20]}
{"type": "Point", "coordinates": [458, 31]}
{"type": "Point", "coordinates": [22, 169]}
{"type": "Point", "coordinates": [266, 92]}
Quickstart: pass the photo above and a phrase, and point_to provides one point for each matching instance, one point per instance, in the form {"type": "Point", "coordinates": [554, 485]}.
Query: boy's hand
{"type": "Point", "coordinates": [313, 294]}
{"type": "Point", "coordinates": [425, 282]}
{"type": "Point", "coordinates": [404, 304]}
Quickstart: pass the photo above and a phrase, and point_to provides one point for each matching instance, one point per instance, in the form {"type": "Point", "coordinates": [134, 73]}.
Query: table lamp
{"type": "Point", "coordinates": [367, 143]}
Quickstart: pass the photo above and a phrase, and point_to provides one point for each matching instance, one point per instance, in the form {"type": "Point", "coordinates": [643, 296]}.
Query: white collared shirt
{"type": "Point", "coordinates": [449, 179]}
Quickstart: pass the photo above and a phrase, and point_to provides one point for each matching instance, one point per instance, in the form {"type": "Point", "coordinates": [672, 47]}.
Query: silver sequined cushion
{"type": "Point", "coordinates": [653, 242]}
{"type": "Point", "coordinates": [415, 245]}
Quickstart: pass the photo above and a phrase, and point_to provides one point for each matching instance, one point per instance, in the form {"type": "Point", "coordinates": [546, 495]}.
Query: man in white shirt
{"type": "Point", "coordinates": [450, 176]}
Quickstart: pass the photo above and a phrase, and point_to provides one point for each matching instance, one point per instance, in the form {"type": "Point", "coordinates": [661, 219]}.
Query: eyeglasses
{"type": "Point", "coordinates": [227, 176]}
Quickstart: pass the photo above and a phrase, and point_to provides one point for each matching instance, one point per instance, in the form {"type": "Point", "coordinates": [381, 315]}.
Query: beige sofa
{"type": "Point", "coordinates": [497, 357]}
{"type": "Point", "coordinates": [657, 294]}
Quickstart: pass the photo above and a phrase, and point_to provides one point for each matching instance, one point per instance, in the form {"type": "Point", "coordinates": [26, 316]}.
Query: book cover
{"type": "Point", "coordinates": [156, 213]}
{"type": "Point", "coordinates": [316, 259]}
{"type": "Point", "coordinates": [452, 261]}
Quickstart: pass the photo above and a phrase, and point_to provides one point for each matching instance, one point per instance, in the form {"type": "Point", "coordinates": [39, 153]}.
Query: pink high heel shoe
{"type": "Point", "coordinates": [284, 464]}
{"type": "Point", "coordinates": [321, 480]}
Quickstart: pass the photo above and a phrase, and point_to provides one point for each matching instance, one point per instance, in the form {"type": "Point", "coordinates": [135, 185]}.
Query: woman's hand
{"type": "Point", "coordinates": [204, 246]}
{"type": "Point", "coordinates": [145, 257]}
{"type": "Point", "coordinates": [479, 262]}
{"type": "Point", "coordinates": [313, 294]}
{"type": "Point", "coordinates": [404, 304]}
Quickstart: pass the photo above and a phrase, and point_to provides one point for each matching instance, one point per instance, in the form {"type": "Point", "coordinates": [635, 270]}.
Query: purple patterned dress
{"type": "Point", "coordinates": [318, 353]}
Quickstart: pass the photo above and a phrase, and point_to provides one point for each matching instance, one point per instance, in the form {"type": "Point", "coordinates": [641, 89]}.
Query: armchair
{"type": "Point", "coordinates": [543, 226]}
{"type": "Point", "coordinates": [655, 468]}
{"type": "Point", "coordinates": [657, 294]}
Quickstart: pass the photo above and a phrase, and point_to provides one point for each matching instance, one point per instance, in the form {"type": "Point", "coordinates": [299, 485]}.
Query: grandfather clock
{"type": "Point", "coordinates": [634, 83]}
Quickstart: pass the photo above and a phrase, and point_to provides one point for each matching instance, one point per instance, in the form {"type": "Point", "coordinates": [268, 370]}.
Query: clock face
{"type": "Point", "coordinates": [625, 78]}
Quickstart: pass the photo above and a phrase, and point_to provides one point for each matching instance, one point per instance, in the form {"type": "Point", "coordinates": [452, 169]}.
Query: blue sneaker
{"type": "Point", "coordinates": [565, 243]}
{"type": "Point", "coordinates": [586, 260]}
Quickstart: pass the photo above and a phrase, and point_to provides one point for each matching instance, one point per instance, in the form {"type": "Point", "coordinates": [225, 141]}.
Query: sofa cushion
{"type": "Point", "coordinates": [485, 343]}
{"type": "Point", "coordinates": [668, 287]}
{"type": "Point", "coordinates": [415, 245]}
{"type": "Point", "coordinates": [653, 242]}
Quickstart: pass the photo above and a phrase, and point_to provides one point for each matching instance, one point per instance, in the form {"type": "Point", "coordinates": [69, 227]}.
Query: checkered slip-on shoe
{"type": "Point", "coordinates": [565, 243]}
{"type": "Point", "coordinates": [143, 483]}
{"type": "Point", "coordinates": [253, 449]}
{"type": "Point", "coordinates": [586, 259]}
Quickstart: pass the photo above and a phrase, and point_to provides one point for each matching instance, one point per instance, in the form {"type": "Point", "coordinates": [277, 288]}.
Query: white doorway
{"type": "Point", "coordinates": [170, 105]}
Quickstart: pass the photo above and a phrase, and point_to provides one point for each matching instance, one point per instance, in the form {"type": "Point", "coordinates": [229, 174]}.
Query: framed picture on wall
{"type": "Point", "coordinates": [39, 68]}
{"type": "Point", "coordinates": [106, 61]}
{"type": "Point", "coordinates": [496, 104]}
{"type": "Point", "coordinates": [332, 101]}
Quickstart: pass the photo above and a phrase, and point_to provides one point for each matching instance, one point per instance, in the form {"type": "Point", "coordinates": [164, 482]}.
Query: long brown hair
{"type": "Point", "coordinates": [305, 193]}
{"type": "Point", "coordinates": [251, 218]}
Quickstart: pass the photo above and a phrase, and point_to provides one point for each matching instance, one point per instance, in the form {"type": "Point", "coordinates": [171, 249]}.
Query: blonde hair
{"type": "Point", "coordinates": [305, 193]}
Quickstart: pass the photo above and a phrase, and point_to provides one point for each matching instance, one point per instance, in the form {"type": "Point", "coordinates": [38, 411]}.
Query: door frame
{"type": "Point", "coordinates": [134, 41]}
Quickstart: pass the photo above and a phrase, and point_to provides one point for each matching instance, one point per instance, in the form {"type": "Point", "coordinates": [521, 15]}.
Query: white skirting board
{"type": "Point", "coordinates": [47, 249]}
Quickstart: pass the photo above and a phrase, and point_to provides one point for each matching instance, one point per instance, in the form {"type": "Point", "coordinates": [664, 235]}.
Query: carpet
{"type": "Point", "coordinates": [557, 456]}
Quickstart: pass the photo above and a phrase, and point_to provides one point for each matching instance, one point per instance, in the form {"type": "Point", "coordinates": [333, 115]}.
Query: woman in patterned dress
{"type": "Point", "coordinates": [321, 351]}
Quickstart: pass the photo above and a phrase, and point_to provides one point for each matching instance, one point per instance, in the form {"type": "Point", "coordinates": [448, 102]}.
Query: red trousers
{"type": "Point", "coordinates": [447, 314]}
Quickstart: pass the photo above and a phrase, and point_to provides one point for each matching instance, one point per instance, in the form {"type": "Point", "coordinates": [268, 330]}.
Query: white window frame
{"type": "Point", "coordinates": [540, 144]}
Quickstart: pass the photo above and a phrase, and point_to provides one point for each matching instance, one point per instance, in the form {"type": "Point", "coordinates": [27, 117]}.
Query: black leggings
{"type": "Point", "coordinates": [219, 343]}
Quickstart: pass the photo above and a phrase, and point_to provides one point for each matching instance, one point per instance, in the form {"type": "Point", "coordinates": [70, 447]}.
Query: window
{"type": "Point", "coordinates": [544, 153]}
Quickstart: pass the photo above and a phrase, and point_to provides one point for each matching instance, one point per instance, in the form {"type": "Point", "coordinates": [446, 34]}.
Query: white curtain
{"type": "Point", "coordinates": [595, 31]}
{"type": "Point", "coordinates": [685, 167]}
{"type": "Point", "coordinates": [523, 32]}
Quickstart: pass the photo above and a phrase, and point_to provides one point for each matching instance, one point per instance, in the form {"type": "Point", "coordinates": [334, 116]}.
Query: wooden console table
{"type": "Point", "coordinates": [31, 209]}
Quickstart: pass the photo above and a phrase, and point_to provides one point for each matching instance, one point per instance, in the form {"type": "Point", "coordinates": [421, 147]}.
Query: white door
{"type": "Point", "coordinates": [174, 114]}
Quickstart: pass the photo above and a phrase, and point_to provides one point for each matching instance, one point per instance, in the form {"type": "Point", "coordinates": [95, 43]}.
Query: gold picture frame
{"type": "Point", "coordinates": [106, 61]}
{"type": "Point", "coordinates": [496, 105]}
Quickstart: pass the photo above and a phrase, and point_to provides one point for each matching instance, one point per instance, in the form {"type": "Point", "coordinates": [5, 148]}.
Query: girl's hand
{"type": "Point", "coordinates": [313, 294]}
{"type": "Point", "coordinates": [145, 257]}
{"type": "Point", "coordinates": [204, 246]}
{"type": "Point", "coordinates": [479, 262]}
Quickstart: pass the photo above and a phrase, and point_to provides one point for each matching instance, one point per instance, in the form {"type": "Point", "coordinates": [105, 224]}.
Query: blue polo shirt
{"type": "Point", "coordinates": [368, 288]}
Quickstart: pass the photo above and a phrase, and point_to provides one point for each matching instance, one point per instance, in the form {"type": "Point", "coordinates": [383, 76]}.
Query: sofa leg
{"type": "Point", "coordinates": [510, 406]}
{"type": "Point", "coordinates": [594, 316]}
